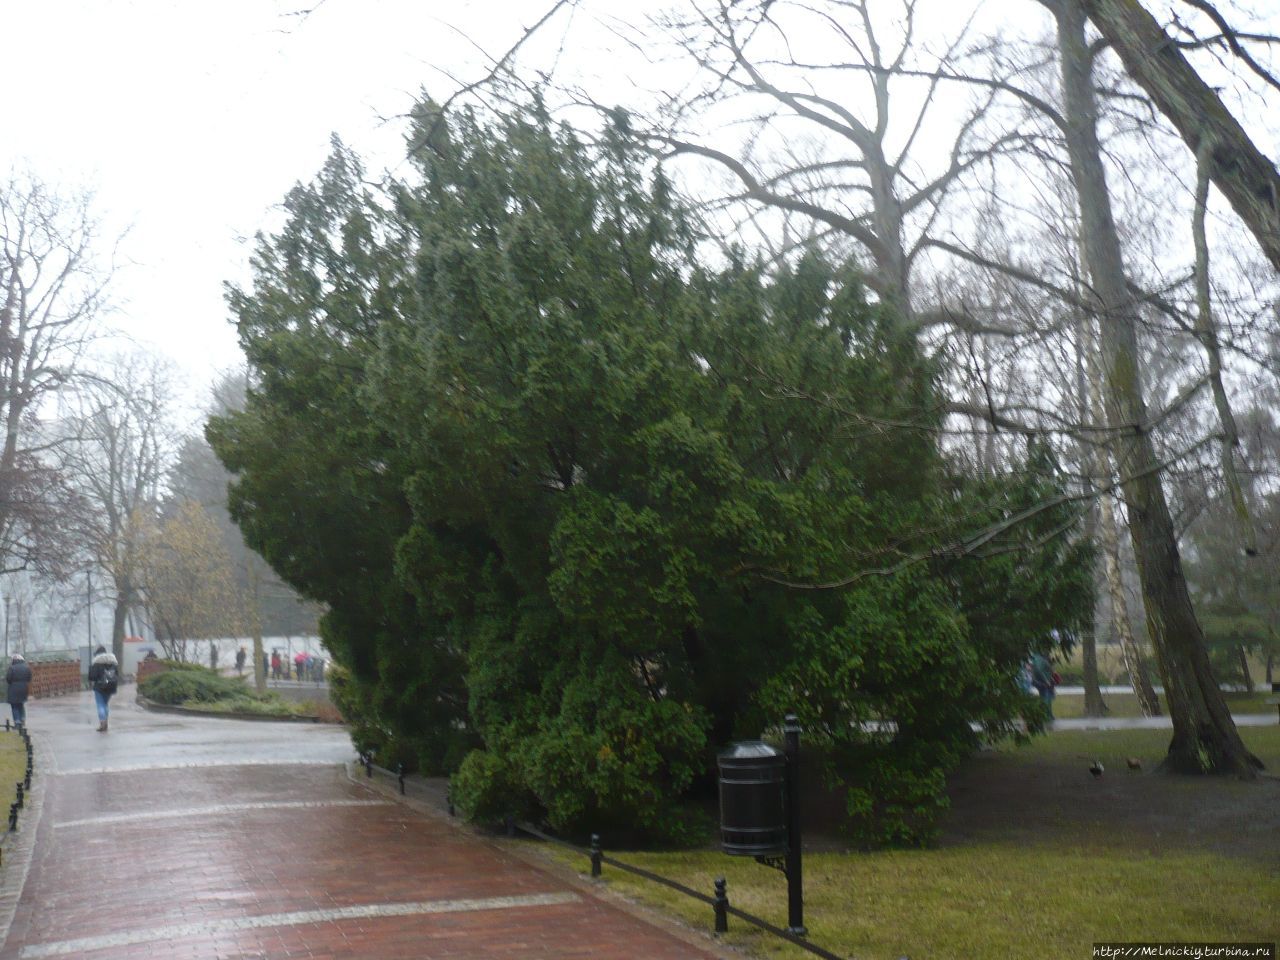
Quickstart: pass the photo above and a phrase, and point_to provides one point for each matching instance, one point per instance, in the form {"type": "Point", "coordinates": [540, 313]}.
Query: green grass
{"type": "Point", "coordinates": [269, 705]}
{"type": "Point", "coordinates": [13, 767]}
{"type": "Point", "coordinates": [986, 901]}
{"type": "Point", "coordinates": [1038, 860]}
{"type": "Point", "coordinates": [1147, 745]}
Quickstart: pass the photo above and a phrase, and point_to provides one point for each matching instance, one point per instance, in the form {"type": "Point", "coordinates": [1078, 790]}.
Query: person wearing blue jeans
{"type": "Point", "coordinates": [104, 675]}
{"type": "Point", "coordinates": [18, 680]}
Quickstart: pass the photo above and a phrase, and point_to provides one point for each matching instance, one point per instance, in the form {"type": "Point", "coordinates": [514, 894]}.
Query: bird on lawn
{"type": "Point", "coordinates": [1134, 763]}
{"type": "Point", "coordinates": [1096, 769]}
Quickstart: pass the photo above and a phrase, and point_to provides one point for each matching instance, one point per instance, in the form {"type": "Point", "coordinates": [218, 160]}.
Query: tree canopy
{"type": "Point", "coordinates": [585, 506]}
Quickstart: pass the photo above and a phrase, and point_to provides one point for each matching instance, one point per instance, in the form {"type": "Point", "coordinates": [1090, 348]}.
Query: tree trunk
{"type": "Point", "coordinates": [1244, 174]}
{"type": "Point", "coordinates": [1245, 675]}
{"type": "Point", "coordinates": [120, 611]}
{"type": "Point", "coordinates": [254, 613]}
{"type": "Point", "coordinates": [1134, 665]}
{"type": "Point", "coordinates": [1205, 738]}
{"type": "Point", "coordinates": [1108, 541]}
{"type": "Point", "coordinates": [1093, 704]}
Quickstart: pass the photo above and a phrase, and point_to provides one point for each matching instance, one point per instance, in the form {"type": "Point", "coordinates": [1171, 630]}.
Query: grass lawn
{"type": "Point", "coordinates": [13, 767]}
{"type": "Point", "coordinates": [270, 705]}
{"type": "Point", "coordinates": [1038, 860]}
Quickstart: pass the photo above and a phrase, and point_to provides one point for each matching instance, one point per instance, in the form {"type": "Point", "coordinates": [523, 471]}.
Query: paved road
{"type": "Point", "coordinates": [201, 839]}
{"type": "Point", "coordinates": [1154, 723]}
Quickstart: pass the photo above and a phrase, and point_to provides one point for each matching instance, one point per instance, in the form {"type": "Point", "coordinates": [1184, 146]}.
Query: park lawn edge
{"type": "Point", "coordinates": [13, 767]}
{"type": "Point", "coordinates": [235, 710]}
{"type": "Point", "coordinates": [988, 897]}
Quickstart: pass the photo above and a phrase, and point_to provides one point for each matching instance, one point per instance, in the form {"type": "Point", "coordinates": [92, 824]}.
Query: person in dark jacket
{"type": "Point", "coordinates": [104, 675]}
{"type": "Point", "coordinates": [19, 680]}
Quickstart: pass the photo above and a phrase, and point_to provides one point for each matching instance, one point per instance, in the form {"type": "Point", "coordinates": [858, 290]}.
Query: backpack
{"type": "Point", "coordinates": [106, 683]}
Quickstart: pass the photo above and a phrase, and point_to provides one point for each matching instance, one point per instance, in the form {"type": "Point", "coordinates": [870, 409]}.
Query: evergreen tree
{"type": "Point", "coordinates": [628, 506]}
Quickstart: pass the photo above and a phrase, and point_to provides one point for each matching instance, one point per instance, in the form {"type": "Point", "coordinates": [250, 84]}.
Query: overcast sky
{"type": "Point", "coordinates": [189, 121]}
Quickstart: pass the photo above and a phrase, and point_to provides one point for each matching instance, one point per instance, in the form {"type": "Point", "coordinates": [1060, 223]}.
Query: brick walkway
{"type": "Point", "coordinates": [296, 861]}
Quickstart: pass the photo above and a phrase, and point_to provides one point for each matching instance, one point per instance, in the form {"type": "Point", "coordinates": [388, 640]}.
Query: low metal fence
{"type": "Point", "coordinates": [718, 900]}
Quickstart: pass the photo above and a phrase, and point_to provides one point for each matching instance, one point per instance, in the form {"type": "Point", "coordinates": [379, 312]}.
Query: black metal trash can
{"type": "Point", "coordinates": [753, 819]}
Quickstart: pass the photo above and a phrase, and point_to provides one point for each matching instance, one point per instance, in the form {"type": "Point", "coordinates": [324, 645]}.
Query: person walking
{"type": "Point", "coordinates": [275, 664]}
{"type": "Point", "coordinates": [1043, 679]}
{"type": "Point", "coordinates": [240, 658]}
{"type": "Point", "coordinates": [19, 682]}
{"type": "Point", "coordinates": [104, 676]}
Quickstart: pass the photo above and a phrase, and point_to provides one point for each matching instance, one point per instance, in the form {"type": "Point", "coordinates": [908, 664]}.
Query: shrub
{"type": "Point", "coordinates": [183, 683]}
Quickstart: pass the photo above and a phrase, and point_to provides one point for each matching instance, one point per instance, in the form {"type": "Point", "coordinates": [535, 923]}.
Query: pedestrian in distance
{"type": "Point", "coordinates": [104, 677]}
{"type": "Point", "coordinates": [19, 681]}
{"type": "Point", "coordinates": [240, 658]}
{"type": "Point", "coordinates": [275, 664]}
{"type": "Point", "coordinates": [1044, 680]}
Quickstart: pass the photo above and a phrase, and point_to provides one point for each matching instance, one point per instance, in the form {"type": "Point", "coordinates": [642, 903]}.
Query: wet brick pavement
{"type": "Point", "coordinates": [181, 853]}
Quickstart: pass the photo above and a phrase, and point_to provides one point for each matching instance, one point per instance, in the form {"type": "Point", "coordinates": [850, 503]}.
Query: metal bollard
{"type": "Point", "coordinates": [368, 765]}
{"type": "Point", "coordinates": [400, 776]}
{"type": "Point", "coordinates": [27, 778]}
{"type": "Point", "coordinates": [21, 802]}
{"type": "Point", "coordinates": [595, 855]}
{"type": "Point", "coordinates": [721, 906]}
{"type": "Point", "coordinates": [13, 817]}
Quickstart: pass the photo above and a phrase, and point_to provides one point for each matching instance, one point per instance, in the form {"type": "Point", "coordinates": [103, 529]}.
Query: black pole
{"type": "Point", "coordinates": [721, 906]}
{"type": "Point", "coordinates": [795, 879]}
{"type": "Point", "coordinates": [595, 855]}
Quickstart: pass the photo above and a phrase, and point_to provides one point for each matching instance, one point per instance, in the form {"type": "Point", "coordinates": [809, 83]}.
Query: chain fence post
{"type": "Point", "coordinates": [595, 855]}
{"type": "Point", "coordinates": [721, 906]}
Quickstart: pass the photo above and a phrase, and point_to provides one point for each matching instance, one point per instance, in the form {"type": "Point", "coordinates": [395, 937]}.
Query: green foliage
{"type": "Point", "coordinates": [191, 683]}
{"type": "Point", "coordinates": [319, 488]}
{"type": "Point", "coordinates": [588, 510]}
{"type": "Point", "coordinates": [1235, 595]}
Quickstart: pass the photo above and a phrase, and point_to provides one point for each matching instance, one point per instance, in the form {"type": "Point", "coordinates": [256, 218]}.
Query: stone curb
{"type": "Point", "coordinates": [219, 714]}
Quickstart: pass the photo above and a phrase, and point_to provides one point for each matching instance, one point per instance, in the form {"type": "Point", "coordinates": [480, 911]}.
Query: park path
{"type": "Point", "coordinates": [197, 839]}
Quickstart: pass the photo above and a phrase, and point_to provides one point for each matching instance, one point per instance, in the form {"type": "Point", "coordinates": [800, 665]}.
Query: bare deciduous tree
{"type": "Point", "coordinates": [51, 291]}
{"type": "Point", "coordinates": [124, 444]}
{"type": "Point", "coordinates": [189, 581]}
{"type": "Point", "coordinates": [1244, 174]}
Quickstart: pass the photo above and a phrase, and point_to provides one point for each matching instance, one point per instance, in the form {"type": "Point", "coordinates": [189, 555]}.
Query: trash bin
{"type": "Point", "coordinates": [753, 819]}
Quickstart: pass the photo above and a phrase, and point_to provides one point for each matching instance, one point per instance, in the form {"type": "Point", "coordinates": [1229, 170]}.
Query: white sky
{"type": "Point", "coordinates": [189, 121]}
